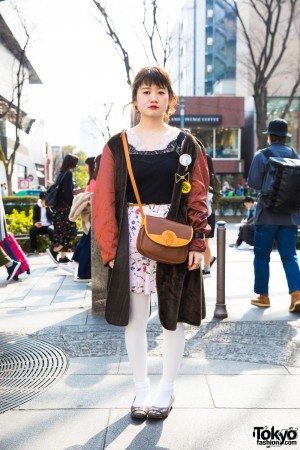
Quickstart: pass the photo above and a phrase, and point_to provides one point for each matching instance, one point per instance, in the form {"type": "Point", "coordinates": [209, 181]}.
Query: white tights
{"type": "Point", "coordinates": [136, 345]}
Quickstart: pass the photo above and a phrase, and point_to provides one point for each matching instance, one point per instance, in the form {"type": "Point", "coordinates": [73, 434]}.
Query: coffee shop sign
{"type": "Point", "coordinates": [198, 119]}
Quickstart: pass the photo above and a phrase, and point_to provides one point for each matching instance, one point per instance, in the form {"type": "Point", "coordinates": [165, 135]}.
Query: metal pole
{"type": "Point", "coordinates": [220, 310]}
{"type": "Point", "coordinates": [181, 111]}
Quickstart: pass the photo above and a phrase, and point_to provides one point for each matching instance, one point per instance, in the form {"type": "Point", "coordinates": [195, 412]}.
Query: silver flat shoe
{"type": "Point", "coordinates": [139, 412]}
{"type": "Point", "coordinates": [156, 412]}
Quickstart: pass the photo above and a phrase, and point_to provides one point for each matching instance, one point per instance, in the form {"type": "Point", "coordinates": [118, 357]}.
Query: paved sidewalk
{"type": "Point", "coordinates": [237, 374]}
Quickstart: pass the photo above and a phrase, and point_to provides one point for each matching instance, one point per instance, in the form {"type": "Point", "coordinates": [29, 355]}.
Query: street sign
{"type": "Point", "coordinates": [24, 184]}
{"type": "Point", "coordinates": [30, 177]}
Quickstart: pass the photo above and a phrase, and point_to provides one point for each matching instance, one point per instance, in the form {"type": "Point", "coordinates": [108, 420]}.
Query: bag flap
{"type": "Point", "coordinates": [167, 232]}
{"type": "Point", "coordinates": [285, 162]}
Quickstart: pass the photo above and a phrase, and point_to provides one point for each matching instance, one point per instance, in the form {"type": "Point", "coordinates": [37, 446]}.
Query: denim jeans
{"type": "Point", "coordinates": [286, 238]}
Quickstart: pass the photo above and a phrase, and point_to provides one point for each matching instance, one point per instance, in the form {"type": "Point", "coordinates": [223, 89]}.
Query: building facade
{"type": "Point", "coordinates": [214, 81]}
{"type": "Point", "coordinates": [30, 157]}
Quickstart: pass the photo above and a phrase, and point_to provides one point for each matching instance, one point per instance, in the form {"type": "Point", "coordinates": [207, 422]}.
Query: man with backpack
{"type": "Point", "coordinates": [271, 225]}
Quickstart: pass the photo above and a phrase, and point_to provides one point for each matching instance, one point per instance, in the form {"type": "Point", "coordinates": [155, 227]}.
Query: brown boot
{"type": "Point", "coordinates": [295, 302]}
{"type": "Point", "coordinates": [262, 300]}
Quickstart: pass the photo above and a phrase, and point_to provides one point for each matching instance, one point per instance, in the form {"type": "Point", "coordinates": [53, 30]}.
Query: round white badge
{"type": "Point", "coordinates": [185, 159]}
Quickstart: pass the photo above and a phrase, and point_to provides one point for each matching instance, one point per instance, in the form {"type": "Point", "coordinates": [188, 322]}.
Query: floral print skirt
{"type": "Point", "coordinates": [64, 229]}
{"type": "Point", "coordinates": [142, 269]}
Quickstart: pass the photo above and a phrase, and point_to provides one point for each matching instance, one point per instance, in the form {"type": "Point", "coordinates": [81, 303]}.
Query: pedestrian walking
{"type": "Point", "coordinates": [157, 153]}
{"type": "Point", "coordinates": [80, 265]}
{"type": "Point", "coordinates": [42, 222]}
{"type": "Point", "coordinates": [12, 265]}
{"type": "Point", "coordinates": [271, 226]}
{"type": "Point", "coordinates": [64, 229]}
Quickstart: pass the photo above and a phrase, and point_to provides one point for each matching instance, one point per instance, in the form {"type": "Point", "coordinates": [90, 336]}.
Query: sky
{"type": "Point", "coordinates": [77, 62]}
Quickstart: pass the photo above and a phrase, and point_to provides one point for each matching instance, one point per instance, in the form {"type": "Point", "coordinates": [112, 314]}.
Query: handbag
{"type": "Point", "coordinates": [159, 239]}
{"type": "Point", "coordinates": [52, 191]}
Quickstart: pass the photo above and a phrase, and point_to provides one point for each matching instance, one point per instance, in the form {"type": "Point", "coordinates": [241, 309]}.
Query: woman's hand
{"type": "Point", "coordinates": [111, 263]}
{"type": "Point", "coordinates": [194, 260]}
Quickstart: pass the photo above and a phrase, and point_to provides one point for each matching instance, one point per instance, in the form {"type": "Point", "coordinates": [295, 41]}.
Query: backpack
{"type": "Point", "coordinates": [280, 192]}
{"type": "Point", "coordinates": [52, 191]}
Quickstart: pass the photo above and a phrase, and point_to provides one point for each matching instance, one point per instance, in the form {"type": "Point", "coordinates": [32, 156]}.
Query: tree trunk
{"type": "Point", "coordinates": [9, 183]}
{"type": "Point", "coordinates": [260, 100]}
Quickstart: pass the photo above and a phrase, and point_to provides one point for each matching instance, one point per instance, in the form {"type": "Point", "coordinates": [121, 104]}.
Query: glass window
{"type": "Point", "coordinates": [219, 142]}
{"type": "Point", "coordinates": [227, 143]}
{"type": "Point", "coordinates": [206, 136]}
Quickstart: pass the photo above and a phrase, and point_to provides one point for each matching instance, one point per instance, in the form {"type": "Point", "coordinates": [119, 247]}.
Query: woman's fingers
{"type": "Point", "coordinates": [194, 260]}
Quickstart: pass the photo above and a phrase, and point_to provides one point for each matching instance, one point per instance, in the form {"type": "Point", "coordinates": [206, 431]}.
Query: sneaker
{"type": "Point", "coordinates": [13, 269]}
{"type": "Point", "coordinates": [70, 267]}
{"type": "Point", "coordinates": [64, 260]}
{"type": "Point", "coordinates": [233, 245]}
{"type": "Point", "coordinates": [82, 280]}
{"type": "Point", "coordinates": [244, 246]}
{"type": "Point", "coordinates": [205, 273]}
{"type": "Point", "coordinates": [212, 261]}
{"type": "Point", "coordinates": [262, 300]}
{"type": "Point", "coordinates": [52, 254]}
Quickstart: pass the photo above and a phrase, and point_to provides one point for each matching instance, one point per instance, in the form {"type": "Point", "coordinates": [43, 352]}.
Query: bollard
{"type": "Point", "coordinates": [220, 310]}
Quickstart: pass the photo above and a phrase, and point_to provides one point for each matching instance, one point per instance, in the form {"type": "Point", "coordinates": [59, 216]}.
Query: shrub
{"type": "Point", "coordinates": [25, 203]}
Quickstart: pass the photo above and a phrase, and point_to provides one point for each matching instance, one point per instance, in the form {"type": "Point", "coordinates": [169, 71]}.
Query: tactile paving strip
{"type": "Point", "coordinates": [28, 367]}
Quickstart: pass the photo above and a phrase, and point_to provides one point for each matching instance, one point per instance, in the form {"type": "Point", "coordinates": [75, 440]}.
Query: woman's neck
{"type": "Point", "coordinates": [151, 125]}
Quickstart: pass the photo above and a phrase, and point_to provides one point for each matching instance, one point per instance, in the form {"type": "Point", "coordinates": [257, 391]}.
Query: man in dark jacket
{"type": "Point", "coordinates": [42, 222]}
{"type": "Point", "coordinates": [270, 226]}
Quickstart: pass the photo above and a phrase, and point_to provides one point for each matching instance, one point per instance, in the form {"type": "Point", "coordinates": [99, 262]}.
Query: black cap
{"type": "Point", "coordinates": [278, 127]}
{"type": "Point", "coordinates": [42, 195]}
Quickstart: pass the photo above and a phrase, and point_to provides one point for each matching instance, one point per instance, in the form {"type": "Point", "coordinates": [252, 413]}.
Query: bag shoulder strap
{"type": "Point", "coordinates": [129, 167]}
{"type": "Point", "coordinates": [267, 152]}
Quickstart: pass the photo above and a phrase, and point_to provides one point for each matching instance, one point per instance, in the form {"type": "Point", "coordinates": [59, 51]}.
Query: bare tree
{"type": "Point", "coordinates": [110, 31]}
{"type": "Point", "coordinates": [104, 127]}
{"type": "Point", "coordinates": [11, 109]}
{"type": "Point", "coordinates": [273, 21]}
{"type": "Point", "coordinates": [152, 30]}
{"type": "Point", "coordinates": [154, 34]}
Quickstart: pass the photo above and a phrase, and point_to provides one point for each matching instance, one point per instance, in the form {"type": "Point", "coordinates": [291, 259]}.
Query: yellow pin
{"type": "Point", "coordinates": [186, 187]}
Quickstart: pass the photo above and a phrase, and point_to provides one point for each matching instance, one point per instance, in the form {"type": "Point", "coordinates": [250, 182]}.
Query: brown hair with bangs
{"type": "Point", "coordinates": [158, 76]}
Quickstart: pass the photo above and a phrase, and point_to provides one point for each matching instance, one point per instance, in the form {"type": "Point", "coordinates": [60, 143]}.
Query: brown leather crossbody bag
{"type": "Point", "coordinates": [159, 239]}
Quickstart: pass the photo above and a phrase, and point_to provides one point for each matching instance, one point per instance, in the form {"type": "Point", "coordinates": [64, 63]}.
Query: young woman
{"type": "Point", "coordinates": [155, 150]}
{"type": "Point", "coordinates": [64, 229]}
{"type": "Point", "coordinates": [80, 264]}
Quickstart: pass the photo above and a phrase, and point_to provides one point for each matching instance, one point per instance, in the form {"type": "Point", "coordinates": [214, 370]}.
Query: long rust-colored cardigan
{"type": "Point", "coordinates": [180, 292]}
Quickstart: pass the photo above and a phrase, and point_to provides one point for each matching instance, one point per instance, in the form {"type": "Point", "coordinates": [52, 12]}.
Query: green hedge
{"type": "Point", "coordinates": [19, 203]}
{"type": "Point", "coordinates": [20, 222]}
{"type": "Point", "coordinates": [231, 206]}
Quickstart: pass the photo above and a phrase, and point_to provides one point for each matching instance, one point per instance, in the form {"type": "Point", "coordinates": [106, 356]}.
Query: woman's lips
{"type": "Point", "coordinates": [153, 107]}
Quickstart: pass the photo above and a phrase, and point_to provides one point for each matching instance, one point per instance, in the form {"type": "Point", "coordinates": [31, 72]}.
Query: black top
{"type": "Point", "coordinates": [37, 214]}
{"type": "Point", "coordinates": [65, 191]}
{"type": "Point", "coordinates": [154, 173]}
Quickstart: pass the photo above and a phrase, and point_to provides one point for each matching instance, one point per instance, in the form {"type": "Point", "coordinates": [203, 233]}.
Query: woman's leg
{"type": "Point", "coordinates": [136, 345]}
{"type": "Point", "coordinates": [173, 348]}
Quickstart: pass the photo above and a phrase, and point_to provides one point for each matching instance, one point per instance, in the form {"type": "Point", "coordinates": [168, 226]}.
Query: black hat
{"type": "Point", "coordinates": [42, 195]}
{"type": "Point", "coordinates": [279, 127]}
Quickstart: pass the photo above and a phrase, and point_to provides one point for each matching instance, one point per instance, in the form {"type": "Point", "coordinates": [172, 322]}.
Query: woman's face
{"type": "Point", "coordinates": [152, 101]}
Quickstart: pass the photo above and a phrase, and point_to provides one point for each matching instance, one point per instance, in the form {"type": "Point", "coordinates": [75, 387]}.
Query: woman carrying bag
{"type": "Point", "coordinates": [171, 175]}
{"type": "Point", "coordinates": [64, 229]}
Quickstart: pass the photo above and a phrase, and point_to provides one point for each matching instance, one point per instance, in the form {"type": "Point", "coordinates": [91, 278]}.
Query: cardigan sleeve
{"type": "Point", "coordinates": [103, 211]}
{"type": "Point", "coordinates": [196, 201]}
